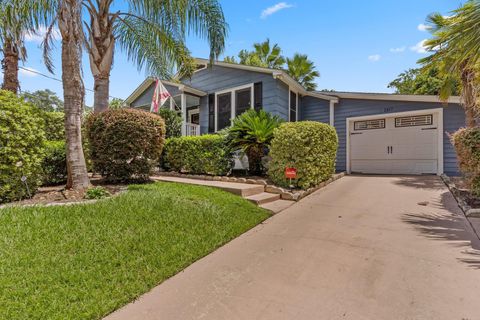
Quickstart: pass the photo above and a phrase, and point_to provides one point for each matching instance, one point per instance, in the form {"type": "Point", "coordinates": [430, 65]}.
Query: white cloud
{"type": "Point", "coordinates": [374, 57]}
{"type": "Point", "coordinates": [422, 27]}
{"type": "Point", "coordinates": [419, 47]}
{"type": "Point", "coordinates": [39, 34]}
{"type": "Point", "coordinates": [275, 8]}
{"type": "Point", "coordinates": [397, 50]}
{"type": "Point", "coordinates": [28, 72]}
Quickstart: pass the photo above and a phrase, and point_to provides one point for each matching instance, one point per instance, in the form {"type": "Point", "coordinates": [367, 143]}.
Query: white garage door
{"type": "Point", "coordinates": [395, 145]}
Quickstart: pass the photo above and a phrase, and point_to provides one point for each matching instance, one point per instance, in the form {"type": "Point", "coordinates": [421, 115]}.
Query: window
{"type": "Point", "coordinates": [413, 121]}
{"type": "Point", "coordinates": [224, 110]}
{"type": "Point", "coordinates": [258, 96]}
{"type": "Point", "coordinates": [369, 124]}
{"type": "Point", "coordinates": [231, 103]}
{"type": "Point", "coordinates": [243, 100]}
{"type": "Point", "coordinates": [211, 113]}
{"type": "Point", "coordinates": [293, 106]}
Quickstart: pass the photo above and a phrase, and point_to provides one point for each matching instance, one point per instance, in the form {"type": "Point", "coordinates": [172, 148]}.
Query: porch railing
{"type": "Point", "coordinates": [191, 129]}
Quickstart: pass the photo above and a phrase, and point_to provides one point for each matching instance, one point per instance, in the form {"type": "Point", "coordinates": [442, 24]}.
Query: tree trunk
{"type": "Point", "coordinates": [101, 93]}
{"type": "Point", "coordinates": [469, 96]}
{"type": "Point", "coordinates": [70, 25]}
{"type": "Point", "coordinates": [255, 155]}
{"type": "Point", "coordinates": [10, 67]}
{"type": "Point", "coordinates": [100, 47]}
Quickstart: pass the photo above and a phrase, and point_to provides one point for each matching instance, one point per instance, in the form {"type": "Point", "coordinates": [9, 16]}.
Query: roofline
{"type": "Point", "coordinates": [149, 80]}
{"type": "Point", "coordinates": [276, 73]}
{"type": "Point", "coordinates": [393, 97]}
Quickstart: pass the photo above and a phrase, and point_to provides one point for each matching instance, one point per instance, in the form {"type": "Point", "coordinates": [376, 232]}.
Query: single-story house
{"type": "Point", "coordinates": [378, 133]}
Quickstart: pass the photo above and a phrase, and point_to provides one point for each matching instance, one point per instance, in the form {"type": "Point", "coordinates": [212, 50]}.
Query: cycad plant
{"type": "Point", "coordinates": [252, 132]}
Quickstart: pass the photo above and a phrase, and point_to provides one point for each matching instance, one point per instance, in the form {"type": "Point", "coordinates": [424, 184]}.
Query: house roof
{"type": "Point", "coordinates": [276, 73]}
{"type": "Point", "coordinates": [390, 96]}
{"type": "Point", "coordinates": [148, 82]}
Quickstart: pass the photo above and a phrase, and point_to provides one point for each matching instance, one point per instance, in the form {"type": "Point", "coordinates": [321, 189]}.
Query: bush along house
{"type": "Point", "coordinates": [378, 133]}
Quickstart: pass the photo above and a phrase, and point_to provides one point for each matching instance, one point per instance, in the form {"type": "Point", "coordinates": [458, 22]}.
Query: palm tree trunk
{"type": "Point", "coordinates": [469, 96]}
{"type": "Point", "coordinates": [100, 47]}
{"type": "Point", "coordinates": [70, 26]}
{"type": "Point", "coordinates": [101, 93]}
{"type": "Point", "coordinates": [10, 67]}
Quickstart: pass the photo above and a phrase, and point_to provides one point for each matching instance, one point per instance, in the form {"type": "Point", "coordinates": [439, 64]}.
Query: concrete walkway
{"type": "Point", "coordinates": [362, 248]}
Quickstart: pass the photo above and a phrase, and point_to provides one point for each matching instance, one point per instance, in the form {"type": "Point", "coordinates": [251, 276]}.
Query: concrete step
{"type": "Point", "coordinates": [242, 189]}
{"type": "Point", "coordinates": [263, 198]}
{"type": "Point", "coordinates": [277, 205]}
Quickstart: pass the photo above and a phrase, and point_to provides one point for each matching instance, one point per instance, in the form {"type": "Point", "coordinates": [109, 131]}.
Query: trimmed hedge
{"type": "Point", "coordinates": [173, 122]}
{"type": "Point", "coordinates": [21, 147]}
{"type": "Point", "coordinates": [125, 144]}
{"type": "Point", "coordinates": [54, 163]}
{"type": "Point", "coordinates": [207, 154]}
{"type": "Point", "coordinates": [54, 125]}
{"type": "Point", "coordinates": [467, 145]}
{"type": "Point", "coordinates": [308, 146]}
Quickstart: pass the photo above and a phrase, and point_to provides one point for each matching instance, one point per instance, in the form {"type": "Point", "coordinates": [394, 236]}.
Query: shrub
{"type": "Point", "coordinates": [308, 146]}
{"type": "Point", "coordinates": [207, 154]}
{"type": "Point", "coordinates": [173, 122]}
{"type": "Point", "coordinates": [467, 145]}
{"type": "Point", "coordinates": [21, 147]}
{"type": "Point", "coordinates": [54, 163]}
{"type": "Point", "coordinates": [125, 144]}
{"type": "Point", "coordinates": [252, 132]}
{"type": "Point", "coordinates": [97, 193]}
{"type": "Point", "coordinates": [54, 125]}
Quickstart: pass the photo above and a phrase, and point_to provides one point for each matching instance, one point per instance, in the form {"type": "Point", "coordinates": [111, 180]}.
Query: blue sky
{"type": "Point", "coordinates": [356, 45]}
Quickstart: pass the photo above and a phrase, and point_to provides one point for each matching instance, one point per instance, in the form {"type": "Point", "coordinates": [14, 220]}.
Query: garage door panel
{"type": "Point", "coordinates": [401, 147]}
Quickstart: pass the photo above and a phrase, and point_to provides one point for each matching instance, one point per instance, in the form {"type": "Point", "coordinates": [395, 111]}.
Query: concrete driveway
{"type": "Point", "coordinates": [362, 248]}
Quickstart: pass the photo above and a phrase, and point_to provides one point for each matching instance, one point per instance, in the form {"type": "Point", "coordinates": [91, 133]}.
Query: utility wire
{"type": "Point", "coordinates": [53, 78]}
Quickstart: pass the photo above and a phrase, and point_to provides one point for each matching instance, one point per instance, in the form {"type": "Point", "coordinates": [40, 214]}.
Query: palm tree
{"type": "Point", "coordinates": [303, 70]}
{"type": "Point", "coordinates": [14, 24]}
{"type": "Point", "coordinates": [455, 50]}
{"type": "Point", "coordinates": [252, 132]}
{"type": "Point", "coordinates": [263, 55]}
{"type": "Point", "coordinates": [152, 34]}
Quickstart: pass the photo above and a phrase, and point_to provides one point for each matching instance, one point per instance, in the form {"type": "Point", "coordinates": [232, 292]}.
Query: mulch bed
{"type": "Point", "coordinates": [58, 194]}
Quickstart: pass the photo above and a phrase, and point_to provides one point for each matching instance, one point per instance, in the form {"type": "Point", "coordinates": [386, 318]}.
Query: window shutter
{"type": "Point", "coordinates": [258, 96]}
{"type": "Point", "coordinates": [211, 113]}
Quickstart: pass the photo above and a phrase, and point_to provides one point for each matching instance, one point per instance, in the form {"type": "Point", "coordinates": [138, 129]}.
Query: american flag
{"type": "Point", "coordinates": [160, 95]}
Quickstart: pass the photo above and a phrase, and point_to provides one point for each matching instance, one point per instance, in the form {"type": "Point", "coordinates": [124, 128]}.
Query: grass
{"type": "Point", "coordinates": [84, 261]}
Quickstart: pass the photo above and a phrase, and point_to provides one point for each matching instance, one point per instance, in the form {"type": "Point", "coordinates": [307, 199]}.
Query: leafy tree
{"type": "Point", "coordinates": [263, 55]}
{"type": "Point", "coordinates": [422, 81]}
{"type": "Point", "coordinates": [456, 55]}
{"type": "Point", "coordinates": [230, 59]}
{"type": "Point", "coordinates": [303, 70]}
{"type": "Point", "coordinates": [252, 131]}
{"type": "Point", "coordinates": [116, 103]}
{"type": "Point", "coordinates": [45, 100]}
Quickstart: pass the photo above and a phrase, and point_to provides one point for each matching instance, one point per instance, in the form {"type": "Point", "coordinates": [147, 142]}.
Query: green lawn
{"type": "Point", "coordinates": [84, 261]}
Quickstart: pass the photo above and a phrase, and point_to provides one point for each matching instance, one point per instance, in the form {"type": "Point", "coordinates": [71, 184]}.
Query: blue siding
{"type": "Point", "coordinates": [453, 119]}
{"type": "Point", "coordinates": [315, 109]}
{"type": "Point", "coordinates": [216, 78]}
{"type": "Point", "coordinates": [145, 99]}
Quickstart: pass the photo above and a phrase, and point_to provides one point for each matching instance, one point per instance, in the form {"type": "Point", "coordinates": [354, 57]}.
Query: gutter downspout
{"type": "Point", "coordinates": [332, 115]}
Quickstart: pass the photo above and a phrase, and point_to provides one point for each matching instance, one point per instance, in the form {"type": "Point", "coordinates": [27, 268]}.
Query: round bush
{"type": "Point", "coordinates": [208, 154]}
{"type": "Point", "coordinates": [54, 163]}
{"type": "Point", "coordinates": [125, 144]}
{"type": "Point", "coordinates": [310, 147]}
{"type": "Point", "coordinates": [467, 146]}
{"type": "Point", "coordinates": [21, 147]}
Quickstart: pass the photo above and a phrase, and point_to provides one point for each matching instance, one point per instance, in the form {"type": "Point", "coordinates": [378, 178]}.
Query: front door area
{"type": "Point", "coordinates": [400, 144]}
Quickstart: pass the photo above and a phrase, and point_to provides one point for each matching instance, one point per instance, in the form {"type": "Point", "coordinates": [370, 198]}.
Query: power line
{"type": "Point", "coordinates": [53, 78]}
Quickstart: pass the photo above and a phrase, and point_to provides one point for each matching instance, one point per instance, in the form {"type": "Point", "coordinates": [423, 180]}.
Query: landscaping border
{"type": "Point", "coordinates": [285, 194]}
{"type": "Point", "coordinates": [462, 203]}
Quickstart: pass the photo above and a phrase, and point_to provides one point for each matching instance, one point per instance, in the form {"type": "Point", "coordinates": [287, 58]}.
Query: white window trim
{"type": "Point", "coordinates": [437, 111]}
{"type": "Point", "coordinates": [192, 112]}
{"type": "Point", "coordinates": [290, 90]}
{"type": "Point", "coordinates": [233, 102]}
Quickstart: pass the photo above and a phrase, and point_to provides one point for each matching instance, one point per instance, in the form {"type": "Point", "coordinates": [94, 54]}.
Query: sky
{"type": "Point", "coordinates": [355, 45]}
